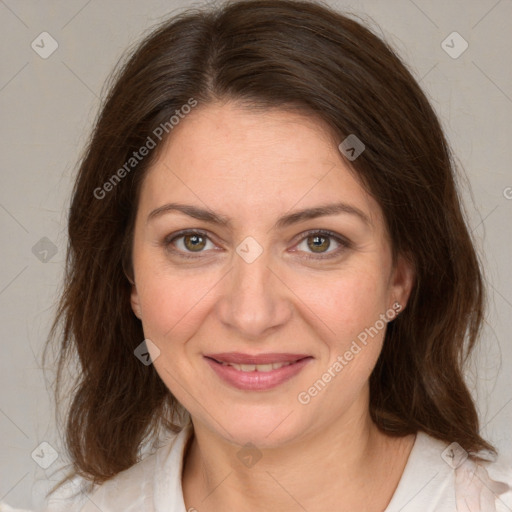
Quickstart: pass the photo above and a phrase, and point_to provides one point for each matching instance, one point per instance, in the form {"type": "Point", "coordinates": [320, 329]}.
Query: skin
{"type": "Point", "coordinates": [254, 167]}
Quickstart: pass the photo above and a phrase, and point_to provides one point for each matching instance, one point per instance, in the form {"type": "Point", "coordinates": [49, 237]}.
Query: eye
{"type": "Point", "coordinates": [187, 242]}
{"type": "Point", "coordinates": [318, 242]}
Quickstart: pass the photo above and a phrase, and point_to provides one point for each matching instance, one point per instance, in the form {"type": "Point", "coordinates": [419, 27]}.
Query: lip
{"type": "Point", "coordinates": [255, 380]}
{"type": "Point", "coordinates": [241, 358]}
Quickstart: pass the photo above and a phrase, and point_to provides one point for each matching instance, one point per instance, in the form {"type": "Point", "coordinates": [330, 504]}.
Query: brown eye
{"type": "Point", "coordinates": [195, 242]}
{"type": "Point", "coordinates": [318, 243]}
{"type": "Point", "coordinates": [186, 243]}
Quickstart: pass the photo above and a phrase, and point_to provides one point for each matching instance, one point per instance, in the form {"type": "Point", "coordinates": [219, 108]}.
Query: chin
{"type": "Point", "coordinates": [263, 426]}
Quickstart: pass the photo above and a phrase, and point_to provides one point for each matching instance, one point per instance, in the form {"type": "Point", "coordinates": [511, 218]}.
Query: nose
{"type": "Point", "coordinates": [254, 300]}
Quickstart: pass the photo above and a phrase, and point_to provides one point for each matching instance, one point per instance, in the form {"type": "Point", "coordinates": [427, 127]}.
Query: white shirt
{"type": "Point", "coordinates": [436, 478]}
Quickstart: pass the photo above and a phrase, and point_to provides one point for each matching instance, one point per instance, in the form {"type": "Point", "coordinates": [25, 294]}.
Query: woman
{"type": "Point", "coordinates": [271, 288]}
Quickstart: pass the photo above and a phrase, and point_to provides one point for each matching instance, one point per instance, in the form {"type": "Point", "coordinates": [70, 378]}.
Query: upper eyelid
{"type": "Point", "coordinates": [340, 239]}
{"type": "Point", "coordinates": [300, 236]}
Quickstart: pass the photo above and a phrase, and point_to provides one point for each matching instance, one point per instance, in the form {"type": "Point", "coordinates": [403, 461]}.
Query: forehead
{"type": "Point", "coordinates": [239, 160]}
{"type": "Point", "coordinates": [245, 142]}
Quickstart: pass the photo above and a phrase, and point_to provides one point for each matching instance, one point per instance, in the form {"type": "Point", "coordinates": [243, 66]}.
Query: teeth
{"type": "Point", "coordinates": [247, 367]}
{"type": "Point", "coordinates": [256, 367]}
{"type": "Point", "coordinates": [275, 366]}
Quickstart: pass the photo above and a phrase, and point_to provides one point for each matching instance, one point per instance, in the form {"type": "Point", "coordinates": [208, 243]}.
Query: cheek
{"type": "Point", "coordinates": [347, 302]}
{"type": "Point", "coordinates": [172, 305]}
{"type": "Point", "coordinates": [353, 312]}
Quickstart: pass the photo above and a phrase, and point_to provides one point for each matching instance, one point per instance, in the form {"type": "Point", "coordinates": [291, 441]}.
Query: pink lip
{"type": "Point", "coordinates": [240, 358]}
{"type": "Point", "coordinates": [257, 381]}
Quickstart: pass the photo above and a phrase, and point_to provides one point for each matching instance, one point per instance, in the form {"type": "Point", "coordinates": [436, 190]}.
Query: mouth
{"type": "Point", "coordinates": [261, 372]}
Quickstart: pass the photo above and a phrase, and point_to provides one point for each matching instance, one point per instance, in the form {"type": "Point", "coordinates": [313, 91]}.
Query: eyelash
{"type": "Point", "coordinates": [344, 243]}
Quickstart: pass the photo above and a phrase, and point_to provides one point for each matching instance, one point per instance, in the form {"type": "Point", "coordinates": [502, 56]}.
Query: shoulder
{"type": "Point", "coordinates": [443, 477]}
{"type": "Point", "coordinates": [134, 489]}
{"type": "Point", "coordinates": [484, 484]}
{"type": "Point", "coordinates": [6, 508]}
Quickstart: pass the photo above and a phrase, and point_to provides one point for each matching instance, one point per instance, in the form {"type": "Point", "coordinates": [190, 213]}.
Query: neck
{"type": "Point", "coordinates": [327, 469]}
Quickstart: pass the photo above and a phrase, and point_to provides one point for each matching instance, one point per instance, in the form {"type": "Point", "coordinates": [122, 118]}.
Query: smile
{"type": "Point", "coordinates": [256, 373]}
{"type": "Point", "coordinates": [255, 367]}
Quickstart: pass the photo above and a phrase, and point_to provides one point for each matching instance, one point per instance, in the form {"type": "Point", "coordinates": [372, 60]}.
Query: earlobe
{"type": "Point", "coordinates": [403, 281]}
{"type": "Point", "coordinates": [134, 301]}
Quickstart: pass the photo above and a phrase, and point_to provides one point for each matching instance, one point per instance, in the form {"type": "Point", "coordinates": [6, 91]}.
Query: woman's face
{"type": "Point", "coordinates": [250, 276]}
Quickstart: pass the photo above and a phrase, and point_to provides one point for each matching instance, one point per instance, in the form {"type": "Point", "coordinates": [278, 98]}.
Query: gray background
{"type": "Point", "coordinates": [47, 107]}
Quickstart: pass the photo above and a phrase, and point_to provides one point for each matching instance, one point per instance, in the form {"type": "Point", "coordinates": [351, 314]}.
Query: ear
{"type": "Point", "coordinates": [134, 301]}
{"type": "Point", "coordinates": [402, 280]}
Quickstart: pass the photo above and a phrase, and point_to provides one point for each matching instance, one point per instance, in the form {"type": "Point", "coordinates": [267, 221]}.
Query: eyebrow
{"type": "Point", "coordinates": [284, 221]}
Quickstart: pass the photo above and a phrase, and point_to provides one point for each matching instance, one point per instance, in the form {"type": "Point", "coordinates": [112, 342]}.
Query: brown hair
{"type": "Point", "coordinates": [268, 54]}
